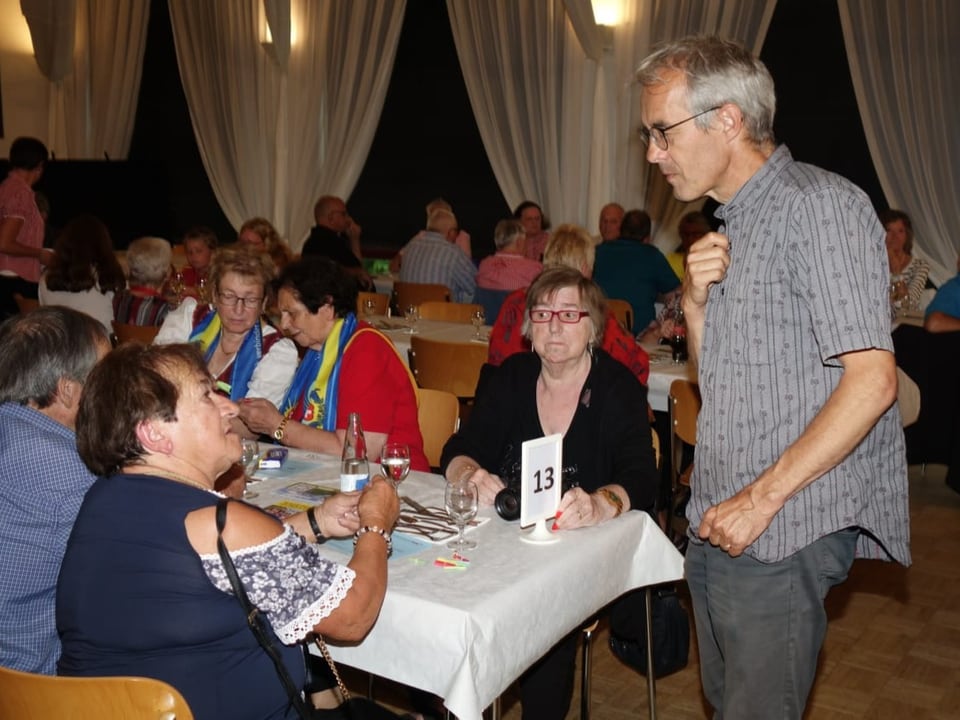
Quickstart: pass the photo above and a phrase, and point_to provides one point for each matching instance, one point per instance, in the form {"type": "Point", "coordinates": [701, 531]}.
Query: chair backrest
{"type": "Point", "coordinates": [134, 333]}
{"type": "Point", "coordinates": [492, 301]}
{"type": "Point", "coordinates": [380, 300]}
{"type": "Point", "coordinates": [25, 696]}
{"type": "Point", "coordinates": [449, 311]}
{"type": "Point", "coordinates": [684, 408]}
{"type": "Point", "coordinates": [408, 293]}
{"type": "Point", "coordinates": [25, 304]}
{"type": "Point", "coordinates": [439, 416]}
{"type": "Point", "coordinates": [622, 311]}
{"type": "Point", "coordinates": [453, 367]}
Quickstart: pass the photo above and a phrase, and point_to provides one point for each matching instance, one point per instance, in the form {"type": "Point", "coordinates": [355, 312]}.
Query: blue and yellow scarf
{"type": "Point", "coordinates": [207, 335]}
{"type": "Point", "coordinates": [313, 394]}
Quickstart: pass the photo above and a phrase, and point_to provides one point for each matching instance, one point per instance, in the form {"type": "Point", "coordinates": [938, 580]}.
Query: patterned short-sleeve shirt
{"type": "Point", "coordinates": [807, 282]}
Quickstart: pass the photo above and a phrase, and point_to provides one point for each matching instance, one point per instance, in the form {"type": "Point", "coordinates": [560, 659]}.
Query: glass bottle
{"type": "Point", "coordinates": [354, 468]}
{"type": "Point", "coordinates": [679, 340]}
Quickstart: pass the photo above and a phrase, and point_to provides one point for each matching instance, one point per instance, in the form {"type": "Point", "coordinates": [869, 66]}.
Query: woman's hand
{"type": "Point", "coordinates": [259, 415]}
{"type": "Point", "coordinates": [379, 504]}
{"type": "Point", "coordinates": [338, 516]}
{"type": "Point", "coordinates": [488, 485]}
{"type": "Point", "coordinates": [578, 508]}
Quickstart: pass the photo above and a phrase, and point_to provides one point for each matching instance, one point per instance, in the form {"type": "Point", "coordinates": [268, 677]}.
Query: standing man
{"type": "Point", "coordinates": [45, 357]}
{"type": "Point", "coordinates": [800, 454]}
{"type": "Point", "coordinates": [21, 226]}
{"type": "Point", "coordinates": [337, 236]}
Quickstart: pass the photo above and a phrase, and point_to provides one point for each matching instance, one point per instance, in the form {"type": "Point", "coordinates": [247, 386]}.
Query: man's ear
{"type": "Point", "coordinates": [154, 438]}
{"type": "Point", "coordinates": [68, 394]}
{"type": "Point", "coordinates": [731, 120]}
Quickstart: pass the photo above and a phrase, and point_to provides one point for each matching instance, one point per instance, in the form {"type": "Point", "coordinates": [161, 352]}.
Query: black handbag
{"type": "Point", "coordinates": [350, 708]}
{"type": "Point", "coordinates": [671, 631]}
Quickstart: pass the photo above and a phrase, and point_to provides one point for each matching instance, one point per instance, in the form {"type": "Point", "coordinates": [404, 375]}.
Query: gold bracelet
{"type": "Point", "coordinates": [611, 497]}
{"type": "Point", "coordinates": [278, 433]}
{"type": "Point", "coordinates": [377, 530]}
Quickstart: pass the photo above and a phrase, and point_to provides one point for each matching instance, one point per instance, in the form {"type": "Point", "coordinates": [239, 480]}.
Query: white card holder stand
{"type": "Point", "coordinates": [541, 484]}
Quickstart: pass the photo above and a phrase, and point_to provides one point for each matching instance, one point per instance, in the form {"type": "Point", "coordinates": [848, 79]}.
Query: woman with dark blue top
{"type": "Point", "coordinates": [142, 590]}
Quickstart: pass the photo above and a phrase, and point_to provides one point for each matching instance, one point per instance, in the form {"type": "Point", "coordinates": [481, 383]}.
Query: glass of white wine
{"type": "Point", "coordinates": [249, 457]}
{"type": "Point", "coordinates": [412, 314]}
{"type": "Point", "coordinates": [461, 500]}
{"type": "Point", "coordinates": [395, 460]}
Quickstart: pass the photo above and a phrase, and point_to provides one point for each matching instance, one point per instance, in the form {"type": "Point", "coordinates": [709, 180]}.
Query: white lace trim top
{"type": "Point", "coordinates": [288, 580]}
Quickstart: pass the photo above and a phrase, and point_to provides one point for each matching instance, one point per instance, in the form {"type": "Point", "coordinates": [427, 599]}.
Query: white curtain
{"type": "Point", "coordinates": [532, 91]}
{"type": "Point", "coordinates": [904, 61]}
{"type": "Point", "coordinates": [92, 53]}
{"type": "Point", "coordinates": [274, 136]}
{"type": "Point", "coordinates": [746, 22]}
{"type": "Point", "coordinates": [556, 102]}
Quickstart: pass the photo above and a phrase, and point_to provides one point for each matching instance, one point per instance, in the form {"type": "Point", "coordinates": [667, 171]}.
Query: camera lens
{"type": "Point", "coordinates": [507, 504]}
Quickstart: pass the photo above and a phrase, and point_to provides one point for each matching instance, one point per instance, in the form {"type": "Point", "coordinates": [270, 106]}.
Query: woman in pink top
{"type": "Point", "coordinates": [508, 269]}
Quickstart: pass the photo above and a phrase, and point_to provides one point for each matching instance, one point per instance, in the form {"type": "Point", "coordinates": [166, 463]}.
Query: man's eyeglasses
{"type": "Point", "coordinates": [659, 134]}
{"type": "Point", "coordinates": [232, 300]}
{"type": "Point", "coordinates": [570, 317]}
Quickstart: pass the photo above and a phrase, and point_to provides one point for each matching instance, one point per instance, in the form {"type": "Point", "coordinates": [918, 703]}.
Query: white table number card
{"type": "Point", "coordinates": [540, 485]}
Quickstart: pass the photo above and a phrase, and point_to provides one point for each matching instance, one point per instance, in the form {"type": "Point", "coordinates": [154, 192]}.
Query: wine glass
{"type": "Point", "coordinates": [249, 457]}
{"type": "Point", "coordinates": [203, 290]}
{"type": "Point", "coordinates": [461, 499]}
{"type": "Point", "coordinates": [412, 314]}
{"type": "Point", "coordinates": [369, 307]}
{"type": "Point", "coordinates": [176, 286]}
{"type": "Point", "coordinates": [479, 320]}
{"type": "Point", "coordinates": [395, 460]}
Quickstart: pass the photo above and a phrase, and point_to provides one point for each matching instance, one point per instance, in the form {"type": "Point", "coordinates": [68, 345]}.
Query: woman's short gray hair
{"type": "Point", "coordinates": [557, 277]}
{"type": "Point", "coordinates": [507, 232]}
{"type": "Point", "coordinates": [717, 71]}
{"type": "Point", "coordinates": [148, 259]}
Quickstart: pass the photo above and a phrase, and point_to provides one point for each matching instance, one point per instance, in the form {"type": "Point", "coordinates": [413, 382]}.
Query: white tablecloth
{"type": "Point", "coordinates": [465, 635]}
{"type": "Point", "coordinates": [663, 371]}
{"type": "Point", "coordinates": [398, 330]}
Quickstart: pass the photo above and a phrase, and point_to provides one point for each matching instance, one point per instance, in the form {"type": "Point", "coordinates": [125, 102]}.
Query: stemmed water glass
{"type": "Point", "coordinates": [412, 314]}
{"type": "Point", "coordinates": [479, 320]}
{"type": "Point", "coordinates": [369, 307]}
{"type": "Point", "coordinates": [461, 499]}
{"type": "Point", "coordinates": [249, 457]}
{"type": "Point", "coordinates": [177, 286]}
{"type": "Point", "coordinates": [395, 460]}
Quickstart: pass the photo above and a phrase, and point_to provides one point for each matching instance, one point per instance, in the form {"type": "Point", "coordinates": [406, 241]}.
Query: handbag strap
{"type": "Point", "coordinates": [255, 620]}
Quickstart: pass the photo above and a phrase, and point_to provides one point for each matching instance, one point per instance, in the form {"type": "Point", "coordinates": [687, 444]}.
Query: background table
{"type": "Point", "coordinates": [398, 330]}
{"type": "Point", "coordinates": [663, 371]}
{"type": "Point", "coordinates": [465, 635]}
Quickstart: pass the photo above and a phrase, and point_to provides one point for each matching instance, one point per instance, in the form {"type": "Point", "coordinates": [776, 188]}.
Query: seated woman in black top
{"type": "Point", "coordinates": [567, 385]}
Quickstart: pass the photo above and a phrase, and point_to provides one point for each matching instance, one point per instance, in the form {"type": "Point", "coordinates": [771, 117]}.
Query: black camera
{"type": "Point", "coordinates": [507, 503]}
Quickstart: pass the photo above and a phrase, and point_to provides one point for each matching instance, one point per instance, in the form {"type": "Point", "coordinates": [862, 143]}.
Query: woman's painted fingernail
{"type": "Point", "coordinates": [559, 513]}
{"type": "Point", "coordinates": [554, 527]}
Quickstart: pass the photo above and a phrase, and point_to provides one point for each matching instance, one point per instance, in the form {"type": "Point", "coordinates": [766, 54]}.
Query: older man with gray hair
{"type": "Point", "coordinates": [434, 257]}
{"type": "Point", "coordinates": [508, 268]}
{"type": "Point", "coordinates": [45, 357]}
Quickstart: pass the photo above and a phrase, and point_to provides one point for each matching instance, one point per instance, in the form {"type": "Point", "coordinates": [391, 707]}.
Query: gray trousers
{"type": "Point", "coordinates": [760, 626]}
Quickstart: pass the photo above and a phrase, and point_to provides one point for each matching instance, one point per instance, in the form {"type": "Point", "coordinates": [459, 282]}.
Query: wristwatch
{"type": "Point", "coordinates": [278, 433]}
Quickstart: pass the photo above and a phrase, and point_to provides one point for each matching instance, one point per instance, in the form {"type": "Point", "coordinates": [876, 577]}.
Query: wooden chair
{"type": "Point", "coordinates": [684, 406]}
{"type": "Point", "coordinates": [381, 302]}
{"type": "Point", "coordinates": [449, 311]}
{"type": "Point", "coordinates": [407, 293]}
{"type": "Point", "coordinates": [134, 333]}
{"type": "Point", "coordinates": [623, 312]}
{"type": "Point", "coordinates": [452, 367]}
{"type": "Point", "coordinates": [25, 304]}
{"type": "Point", "coordinates": [25, 696]}
{"type": "Point", "coordinates": [439, 417]}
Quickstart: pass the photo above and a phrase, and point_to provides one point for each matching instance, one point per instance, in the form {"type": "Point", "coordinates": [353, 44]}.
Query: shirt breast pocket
{"type": "Point", "coordinates": [757, 322]}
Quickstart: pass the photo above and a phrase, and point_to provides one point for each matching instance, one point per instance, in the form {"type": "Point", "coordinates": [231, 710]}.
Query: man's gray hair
{"type": "Point", "coordinates": [717, 71]}
{"type": "Point", "coordinates": [43, 347]}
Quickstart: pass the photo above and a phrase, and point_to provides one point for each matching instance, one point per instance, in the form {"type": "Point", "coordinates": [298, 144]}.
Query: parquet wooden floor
{"type": "Point", "coordinates": [892, 648]}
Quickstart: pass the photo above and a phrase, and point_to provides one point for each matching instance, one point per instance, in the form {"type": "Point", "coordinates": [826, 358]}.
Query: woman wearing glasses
{"type": "Point", "coordinates": [248, 357]}
{"type": "Point", "coordinates": [567, 385]}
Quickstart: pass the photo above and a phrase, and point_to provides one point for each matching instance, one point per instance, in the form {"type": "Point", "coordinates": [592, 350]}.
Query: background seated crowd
{"type": "Point", "coordinates": [107, 546]}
